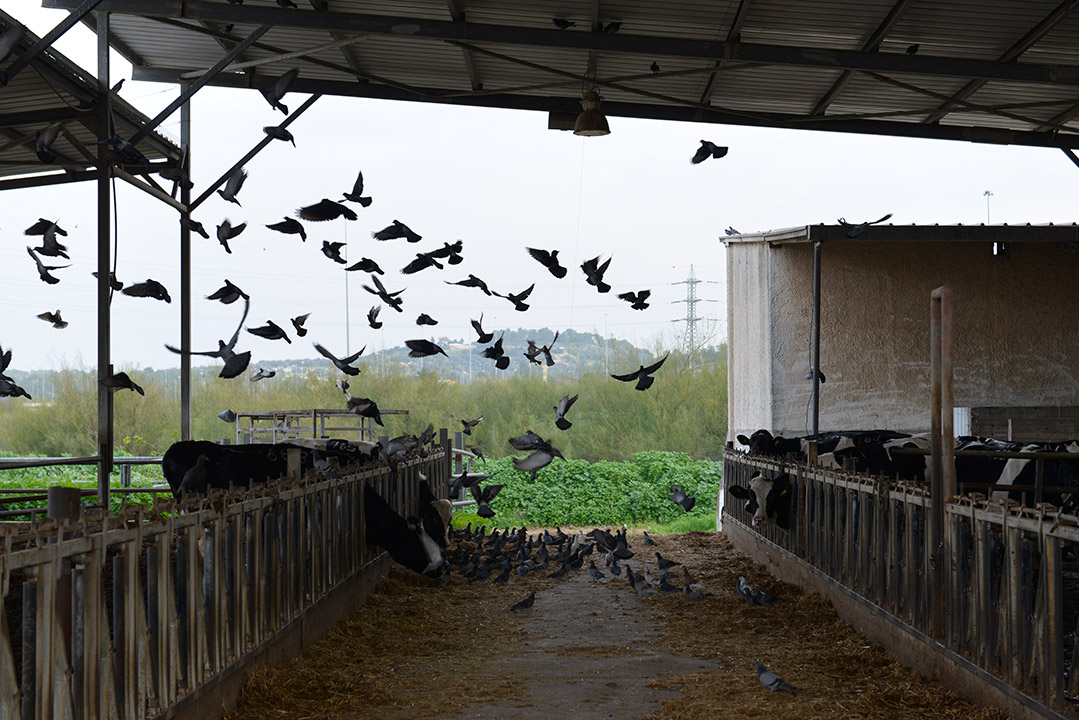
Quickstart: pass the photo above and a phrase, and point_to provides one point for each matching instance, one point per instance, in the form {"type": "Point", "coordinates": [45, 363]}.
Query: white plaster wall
{"type": "Point", "coordinates": [749, 345]}
{"type": "Point", "coordinates": [1016, 341]}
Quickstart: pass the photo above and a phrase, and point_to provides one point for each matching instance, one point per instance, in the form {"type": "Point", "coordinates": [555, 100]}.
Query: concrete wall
{"type": "Point", "coordinates": [1015, 342]}
{"type": "Point", "coordinates": [749, 358]}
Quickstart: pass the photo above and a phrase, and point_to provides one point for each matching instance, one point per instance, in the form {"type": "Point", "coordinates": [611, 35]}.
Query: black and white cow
{"type": "Point", "coordinates": [435, 514]}
{"type": "Point", "coordinates": [762, 442]}
{"type": "Point", "coordinates": [1019, 471]}
{"type": "Point", "coordinates": [769, 499]}
{"type": "Point", "coordinates": [406, 540]}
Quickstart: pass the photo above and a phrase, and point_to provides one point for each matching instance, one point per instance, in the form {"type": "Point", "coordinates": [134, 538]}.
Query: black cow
{"type": "Point", "coordinates": [406, 541]}
{"type": "Point", "coordinates": [769, 499]}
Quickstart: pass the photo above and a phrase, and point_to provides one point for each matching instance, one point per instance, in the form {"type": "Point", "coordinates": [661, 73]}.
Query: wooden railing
{"type": "Point", "coordinates": [126, 617]}
{"type": "Point", "coordinates": [1003, 589]}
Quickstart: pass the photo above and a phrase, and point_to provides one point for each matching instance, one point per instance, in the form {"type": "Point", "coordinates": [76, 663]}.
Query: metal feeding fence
{"type": "Point", "coordinates": [996, 591]}
{"type": "Point", "coordinates": [138, 615]}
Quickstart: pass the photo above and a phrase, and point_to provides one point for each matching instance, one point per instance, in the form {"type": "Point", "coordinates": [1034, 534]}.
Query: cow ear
{"type": "Point", "coordinates": [742, 439]}
{"type": "Point", "coordinates": [739, 492]}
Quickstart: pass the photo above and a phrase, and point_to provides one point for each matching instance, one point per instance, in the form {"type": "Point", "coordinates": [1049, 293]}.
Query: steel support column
{"type": "Point", "coordinates": [104, 253]}
{"type": "Point", "coordinates": [942, 472]}
{"type": "Point", "coordinates": [815, 370]}
{"type": "Point", "coordinates": [185, 277]}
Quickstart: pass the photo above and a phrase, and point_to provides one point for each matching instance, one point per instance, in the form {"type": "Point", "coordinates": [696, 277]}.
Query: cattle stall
{"type": "Point", "coordinates": [1004, 625]}
{"type": "Point", "coordinates": [159, 612]}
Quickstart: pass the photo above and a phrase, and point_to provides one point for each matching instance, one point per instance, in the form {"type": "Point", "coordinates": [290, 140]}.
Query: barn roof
{"type": "Point", "coordinates": [1050, 233]}
{"type": "Point", "coordinates": [54, 89]}
{"type": "Point", "coordinates": [992, 71]}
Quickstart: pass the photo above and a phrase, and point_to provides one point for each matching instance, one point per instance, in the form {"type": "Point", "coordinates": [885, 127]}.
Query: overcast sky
{"type": "Point", "coordinates": [497, 179]}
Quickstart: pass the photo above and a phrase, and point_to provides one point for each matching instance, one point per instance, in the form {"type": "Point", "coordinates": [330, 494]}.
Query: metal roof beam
{"type": "Point", "coordinates": [49, 115]}
{"type": "Point", "coordinates": [688, 113]}
{"type": "Point", "coordinates": [734, 34]}
{"type": "Point", "coordinates": [121, 47]}
{"type": "Point", "coordinates": [78, 12]}
{"type": "Point", "coordinates": [1020, 46]}
{"type": "Point", "coordinates": [837, 59]}
{"type": "Point", "coordinates": [458, 15]}
{"type": "Point", "coordinates": [871, 45]}
{"type": "Point", "coordinates": [43, 180]}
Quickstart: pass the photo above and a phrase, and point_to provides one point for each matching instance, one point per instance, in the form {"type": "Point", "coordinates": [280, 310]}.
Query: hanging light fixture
{"type": "Point", "coordinates": [591, 121]}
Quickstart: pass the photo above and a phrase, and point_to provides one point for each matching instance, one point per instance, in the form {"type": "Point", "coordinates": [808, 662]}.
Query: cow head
{"type": "Point", "coordinates": [762, 442]}
{"type": "Point", "coordinates": [768, 499]}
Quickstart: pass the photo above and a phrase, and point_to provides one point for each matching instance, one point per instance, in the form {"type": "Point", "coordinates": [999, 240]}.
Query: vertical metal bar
{"type": "Point", "coordinates": [78, 640]}
{"type": "Point", "coordinates": [1052, 634]}
{"type": "Point", "coordinates": [1014, 669]}
{"type": "Point", "coordinates": [154, 587]}
{"type": "Point", "coordinates": [119, 632]}
{"type": "Point", "coordinates": [815, 370]}
{"type": "Point", "coordinates": [947, 393]}
{"type": "Point", "coordinates": [981, 594]}
{"type": "Point", "coordinates": [29, 649]}
{"type": "Point", "coordinates": [936, 489]}
{"type": "Point", "coordinates": [185, 276]}
{"type": "Point", "coordinates": [104, 224]}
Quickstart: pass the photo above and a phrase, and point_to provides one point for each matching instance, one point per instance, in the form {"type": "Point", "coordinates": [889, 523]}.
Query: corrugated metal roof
{"type": "Point", "coordinates": [1028, 233]}
{"type": "Point", "coordinates": [829, 64]}
{"type": "Point", "coordinates": [54, 89]}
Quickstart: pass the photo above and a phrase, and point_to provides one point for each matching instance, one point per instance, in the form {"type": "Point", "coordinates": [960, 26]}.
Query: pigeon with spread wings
{"type": "Point", "coordinates": [549, 260]}
{"type": "Point", "coordinates": [390, 298]}
{"type": "Point", "coordinates": [235, 363]}
{"type": "Point", "coordinates": [643, 375]}
{"type": "Point", "coordinates": [356, 195]}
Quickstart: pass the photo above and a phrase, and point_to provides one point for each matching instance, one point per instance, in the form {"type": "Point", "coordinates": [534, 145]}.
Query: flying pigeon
{"type": "Point", "coordinates": [54, 318]}
{"type": "Point", "coordinates": [234, 363]}
{"type": "Point", "coordinates": [423, 348]}
{"type": "Point", "coordinates": [678, 496]}
{"type": "Point", "coordinates": [560, 411]}
{"type": "Point", "coordinates": [277, 89]}
{"type": "Point", "coordinates": [857, 228]}
{"type": "Point", "coordinates": [450, 251]}
{"type": "Point", "coordinates": [279, 133]}
{"type": "Point", "coordinates": [543, 453]}
{"type": "Point", "coordinates": [270, 331]}
{"type": "Point", "coordinates": [176, 174]}
{"type": "Point", "coordinates": [389, 298]}
{"type": "Point", "coordinates": [485, 337]}
{"type": "Point", "coordinates": [113, 282]}
{"type": "Point", "coordinates": [343, 364]}
{"type": "Point", "coordinates": [45, 227]}
{"type": "Point", "coordinates": [425, 319]}
{"type": "Point", "coordinates": [325, 210]}
{"type": "Point", "coordinates": [225, 232]}
{"type": "Point", "coordinates": [593, 271]}
{"type": "Point", "coordinates": [233, 185]}
{"type": "Point", "coordinates": [643, 375]}
{"type": "Point", "coordinates": [397, 230]}
{"type": "Point", "coordinates": [8, 388]}
{"type": "Point", "coordinates": [50, 246]}
{"type": "Point", "coordinates": [518, 299]}
{"type": "Point", "coordinates": [194, 226]}
{"type": "Point", "coordinates": [496, 353]}
{"type": "Point", "coordinates": [228, 293]}
{"type": "Point", "coordinates": [357, 192]}
{"type": "Point", "coordinates": [563, 24]}
{"type": "Point", "coordinates": [637, 300]}
{"type": "Point", "coordinates": [121, 381]}
{"type": "Point", "coordinates": [43, 270]}
{"type": "Point", "coordinates": [372, 317]}
{"type": "Point", "coordinates": [422, 261]}
{"type": "Point", "coordinates": [9, 40]}
{"type": "Point", "coordinates": [297, 323]}
{"type": "Point", "coordinates": [526, 603]}
{"type": "Point", "coordinates": [366, 407]}
{"type": "Point", "coordinates": [227, 415]}
{"type": "Point", "coordinates": [549, 260]}
{"type": "Point", "coordinates": [467, 425]}
{"type": "Point", "coordinates": [707, 150]}
{"type": "Point", "coordinates": [44, 139]}
{"type": "Point", "coordinates": [290, 226]}
{"type": "Point", "coordinates": [366, 265]}
{"type": "Point", "coordinates": [546, 350]}
{"type": "Point", "coordinates": [772, 681]}
{"type": "Point", "coordinates": [332, 250]}
{"type": "Point", "coordinates": [472, 281]}
{"type": "Point", "coordinates": [150, 288]}
{"type": "Point", "coordinates": [262, 374]}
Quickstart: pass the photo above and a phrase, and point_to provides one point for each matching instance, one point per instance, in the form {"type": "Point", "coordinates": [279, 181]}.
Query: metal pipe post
{"type": "Point", "coordinates": [815, 370]}
{"type": "Point", "coordinates": [104, 225]}
{"type": "Point", "coordinates": [943, 446]}
{"type": "Point", "coordinates": [947, 395]}
{"type": "Point", "coordinates": [185, 278]}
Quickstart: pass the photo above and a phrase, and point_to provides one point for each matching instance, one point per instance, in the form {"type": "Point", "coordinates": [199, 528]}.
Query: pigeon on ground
{"type": "Point", "coordinates": [297, 324]}
{"type": "Point", "coordinates": [194, 226]}
{"type": "Point", "coordinates": [485, 337]}
{"type": "Point", "coordinates": [755, 596]}
{"type": "Point", "coordinates": [637, 300]}
{"type": "Point", "coordinates": [497, 353]}
{"type": "Point", "coordinates": [262, 374]}
{"type": "Point", "coordinates": [113, 282]}
{"type": "Point", "coordinates": [560, 411]}
{"type": "Point", "coordinates": [356, 195]}
{"type": "Point", "coordinates": [372, 317]}
{"type": "Point", "coordinates": [290, 226]}
{"type": "Point", "coordinates": [707, 150]}
{"type": "Point", "coordinates": [549, 260]}
{"type": "Point", "coordinates": [648, 538]}
{"type": "Point", "coordinates": [593, 271]}
{"type": "Point", "coordinates": [228, 293]}
{"type": "Point", "coordinates": [526, 603]}
{"type": "Point", "coordinates": [390, 298]}
{"type": "Point", "coordinates": [772, 681]}
{"type": "Point", "coordinates": [422, 262]}
{"type": "Point", "coordinates": [121, 381]}
{"type": "Point", "coordinates": [332, 250]}
{"type": "Point", "coordinates": [472, 281]}
{"type": "Point", "coordinates": [44, 139]}
{"type": "Point", "coordinates": [594, 571]}
{"type": "Point", "coordinates": [279, 133]}
{"type": "Point", "coordinates": [467, 425]}
{"type": "Point", "coordinates": [233, 184]}
{"type": "Point", "coordinates": [643, 375]}
{"type": "Point", "coordinates": [234, 363]}
{"type": "Point", "coordinates": [678, 496]}
{"type": "Point", "coordinates": [277, 89]}
{"type": "Point", "coordinates": [43, 270]}
{"type": "Point", "coordinates": [50, 246]}
{"type": "Point", "coordinates": [343, 364]}
{"type": "Point", "coordinates": [366, 265]}
{"type": "Point", "coordinates": [225, 232]}
{"type": "Point", "coordinates": [563, 24]}
{"type": "Point", "coordinates": [227, 415]}
{"type": "Point", "coordinates": [397, 230]}
{"type": "Point", "coordinates": [366, 407]}
{"type": "Point", "coordinates": [664, 563]}
{"type": "Point", "coordinates": [856, 229]}
{"type": "Point", "coordinates": [150, 288]}
{"type": "Point", "coordinates": [325, 210]}
{"type": "Point", "coordinates": [425, 319]}
{"type": "Point", "coordinates": [270, 331]}
{"type": "Point", "coordinates": [518, 299]}
{"type": "Point", "coordinates": [54, 318]}
{"type": "Point", "coordinates": [423, 348]}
